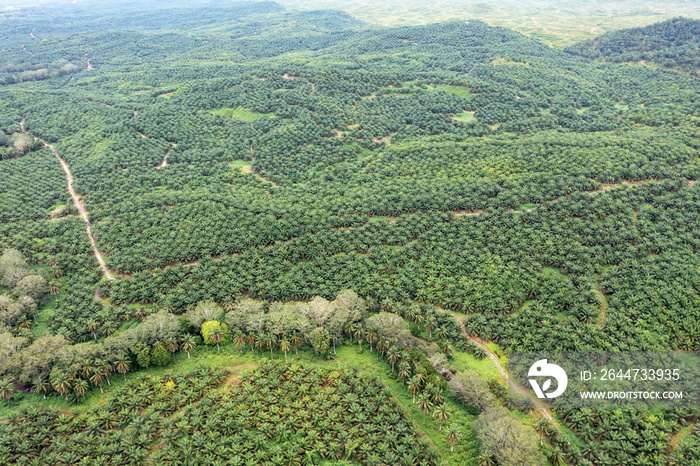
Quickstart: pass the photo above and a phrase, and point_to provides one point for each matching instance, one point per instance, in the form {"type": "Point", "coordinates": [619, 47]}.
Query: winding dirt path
{"type": "Point", "coordinates": [164, 163]}
{"type": "Point", "coordinates": [83, 213]}
{"type": "Point", "coordinates": [603, 302]}
{"type": "Point", "coordinates": [539, 406]}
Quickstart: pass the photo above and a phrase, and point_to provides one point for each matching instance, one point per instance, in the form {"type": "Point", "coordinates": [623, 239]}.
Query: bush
{"type": "Point", "coordinates": [510, 442]}
{"type": "Point", "coordinates": [207, 328]}
{"type": "Point", "coordinates": [321, 341]}
{"type": "Point", "coordinates": [33, 286]}
{"type": "Point", "coordinates": [160, 356]}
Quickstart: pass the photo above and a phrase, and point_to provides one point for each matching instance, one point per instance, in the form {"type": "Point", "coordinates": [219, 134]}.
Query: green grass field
{"type": "Point", "coordinates": [43, 316]}
{"type": "Point", "coordinates": [465, 117]}
{"type": "Point", "coordinates": [485, 368]}
{"type": "Point", "coordinates": [243, 165]}
{"type": "Point", "coordinates": [241, 114]}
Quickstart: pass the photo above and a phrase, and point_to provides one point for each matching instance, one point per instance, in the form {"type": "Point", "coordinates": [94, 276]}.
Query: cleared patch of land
{"type": "Point", "coordinates": [241, 114]}
{"type": "Point", "coordinates": [465, 117]}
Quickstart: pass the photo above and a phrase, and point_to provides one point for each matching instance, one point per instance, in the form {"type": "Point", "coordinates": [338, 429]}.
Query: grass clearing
{"type": "Point", "coordinates": [460, 91]}
{"type": "Point", "coordinates": [528, 206]}
{"type": "Point", "coordinates": [496, 349]}
{"type": "Point", "coordinates": [241, 114]}
{"type": "Point", "coordinates": [502, 61]}
{"type": "Point", "coordinates": [43, 316]}
{"type": "Point", "coordinates": [485, 368]}
{"type": "Point", "coordinates": [240, 164]}
{"type": "Point", "coordinates": [465, 117]}
{"type": "Point", "coordinates": [554, 271]}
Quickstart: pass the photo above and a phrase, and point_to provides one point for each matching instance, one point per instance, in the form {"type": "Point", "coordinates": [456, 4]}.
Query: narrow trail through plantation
{"type": "Point", "coordinates": [164, 163]}
{"type": "Point", "coordinates": [514, 385]}
{"type": "Point", "coordinates": [83, 213]}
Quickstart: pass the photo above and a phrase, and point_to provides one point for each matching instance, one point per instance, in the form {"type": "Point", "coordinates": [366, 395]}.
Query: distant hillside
{"type": "Point", "coordinates": [671, 44]}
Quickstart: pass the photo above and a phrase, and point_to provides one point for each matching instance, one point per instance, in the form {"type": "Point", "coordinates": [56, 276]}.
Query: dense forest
{"type": "Point", "coordinates": [239, 168]}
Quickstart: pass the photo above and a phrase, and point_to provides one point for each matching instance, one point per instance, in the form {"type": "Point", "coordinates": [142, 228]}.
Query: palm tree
{"type": "Point", "coordinates": [371, 338]}
{"type": "Point", "coordinates": [172, 346]}
{"type": "Point", "coordinates": [252, 338]}
{"type": "Point", "coordinates": [430, 324]}
{"type": "Point", "coordinates": [92, 328]}
{"type": "Point", "coordinates": [404, 371]}
{"type": "Point", "coordinates": [434, 393]}
{"type": "Point", "coordinates": [447, 348]}
{"type": "Point", "coordinates": [270, 343]}
{"type": "Point", "coordinates": [588, 450]}
{"type": "Point", "coordinates": [296, 342]}
{"type": "Point", "coordinates": [452, 436]}
{"type": "Point", "coordinates": [542, 427]}
{"type": "Point", "coordinates": [418, 320]}
{"type": "Point", "coordinates": [424, 404]}
{"type": "Point", "coordinates": [409, 314]}
{"type": "Point", "coordinates": [442, 414]}
{"type": "Point", "coordinates": [55, 287]}
{"type": "Point", "coordinates": [239, 340]}
{"type": "Point", "coordinates": [41, 385]}
{"type": "Point", "coordinates": [7, 388]}
{"type": "Point", "coordinates": [414, 388]}
{"type": "Point", "coordinates": [420, 378]}
{"type": "Point", "coordinates": [284, 347]}
{"type": "Point", "coordinates": [350, 330]}
{"type": "Point", "coordinates": [86, 370]}
{"type": "Point", "coordinates": [487, 459]}
{"type": "Point", "coordinates": [122, 366]}
{"type": "Point", "coordinates": [556, 456]}
{"type": "Point", "coordinates": [81, 387]}
{"type": "Point", "coordinates": [106, 371]}
{"type": "Point", "coordinates": [140, 313]}
{"type": "Point", "coordinates": [216, 336]}
{"type": "Point", "coordinates": [393, 356]}
{"type": "Point", "coordinates": [383, 345]}
{"type": "Point", "coordinates": [61, 383]}
{"type": "Point", "coordinates": [97, 379]}
{"type": "Point", "coordinates": [188, 344]}
{"type": "Point", "coordinates": [359, 334]}
{"type": "Point", "coordinates": [109, 327]}
{"type": "Point", "coordinates": [260, 344]}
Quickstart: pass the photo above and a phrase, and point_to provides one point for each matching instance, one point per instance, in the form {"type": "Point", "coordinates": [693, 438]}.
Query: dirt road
{"type": "Point", "coordinates": [83, 213]}
{"type": "Point", "coordinates": [514, 385]}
